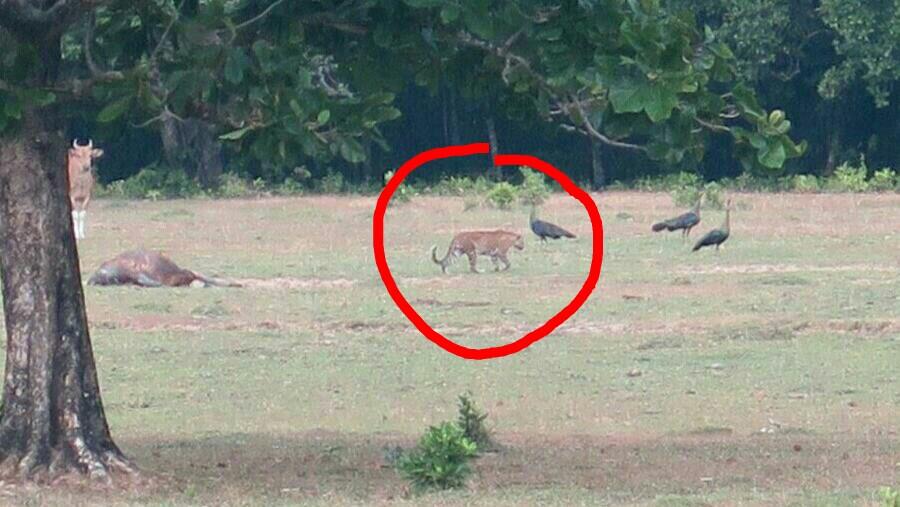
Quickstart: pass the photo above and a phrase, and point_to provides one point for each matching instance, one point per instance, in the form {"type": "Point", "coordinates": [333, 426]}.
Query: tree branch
{"type": "Point", "coordinates": [515, 61]}
{"type": "Point", "coordinates": [712, 126]}
{"type": "Point", "coordinates": [25, 19]}
{"type": "Point", "coordinates": [259, 16]}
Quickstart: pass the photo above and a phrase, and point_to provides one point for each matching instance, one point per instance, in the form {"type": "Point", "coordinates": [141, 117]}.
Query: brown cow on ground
{"type": "Point", "coordinates": [150, 269]}
{"type": "Point", "coordinates": [81, 182]}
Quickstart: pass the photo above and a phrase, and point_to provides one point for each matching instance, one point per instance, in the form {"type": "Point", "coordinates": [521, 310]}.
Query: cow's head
{"type": "Point", "coordinates": [80, 157]}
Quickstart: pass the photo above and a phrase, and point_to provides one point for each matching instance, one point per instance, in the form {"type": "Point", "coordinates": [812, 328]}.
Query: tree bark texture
{"type": "Point", "coordinates": [53, 423]}
{"type": "Point", "coordinates": [191, 145]}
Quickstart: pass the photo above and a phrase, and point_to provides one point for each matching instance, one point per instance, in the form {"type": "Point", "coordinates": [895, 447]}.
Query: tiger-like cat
{"type": "Point", "coordinates": [474, 243]}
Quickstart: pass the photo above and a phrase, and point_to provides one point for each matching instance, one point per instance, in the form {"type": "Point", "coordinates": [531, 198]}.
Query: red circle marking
{"type": "Point", "coordinates": [500, 160]}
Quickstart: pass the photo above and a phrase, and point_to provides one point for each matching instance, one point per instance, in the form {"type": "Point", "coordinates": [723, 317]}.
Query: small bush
{"type": "Point", "coordinates": [884, 180]}
{"type": "Point", "coordinates": [331, 183]}
{"type": "Point", "coordinates": [154, 182]}
{"type": "Point", "coordinates": [534, 189]}
{"type": "Point", "coordinates": [234, 187]}
{"type": "Point", "coordinates": [404, 192]}
{"type": "Point", "coordinates": [441, 460]}
{"type": "Point", "coordinates": [290, 186]}
{"type": "Point", "coordinates": [455, 185]}
{"type": "Point", "coordinates": [502, 196]}
{"type": "Point", "coordinates": [890, 497]}
{"type": "Point", "coordinates": [805, 183]}
{"type": "Point", "coordinates": [847, 178]}
{"type": "Point", "coordinates": [471, 420]}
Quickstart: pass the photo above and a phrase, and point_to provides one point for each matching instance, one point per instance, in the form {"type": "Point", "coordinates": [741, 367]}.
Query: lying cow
{"type": "Point", "coordinates": [150, 269]}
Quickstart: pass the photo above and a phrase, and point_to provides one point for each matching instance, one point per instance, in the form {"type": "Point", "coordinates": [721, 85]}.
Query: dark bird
{"type": "Point", "coordinates": [685, 222]}
{"type": "Point", "coordinates": [717, 236]}
{"type": "Point", "coordinates": [546, 230]}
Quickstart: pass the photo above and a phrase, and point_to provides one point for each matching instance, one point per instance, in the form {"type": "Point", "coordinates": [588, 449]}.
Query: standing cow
{"type": "Point", "coordinates": [81, 181]}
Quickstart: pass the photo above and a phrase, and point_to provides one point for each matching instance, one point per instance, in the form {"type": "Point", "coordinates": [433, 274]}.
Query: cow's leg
{"type": "Point", "coordinates": [75, 223]}
{"type": "Point", "coordinates": [81, 222]}
{"type": "Point", "coordinates": [145, 281]}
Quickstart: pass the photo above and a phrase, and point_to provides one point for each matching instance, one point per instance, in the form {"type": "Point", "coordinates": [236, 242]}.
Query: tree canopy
{"type": "Point", "coordinates": [282, 84]}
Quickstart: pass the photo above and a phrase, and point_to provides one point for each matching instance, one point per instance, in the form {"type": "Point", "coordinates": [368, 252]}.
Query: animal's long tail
{"type": "Point", "coordinates": [442, 262]}
{"type": "Point", "coordinates": [216, 282]}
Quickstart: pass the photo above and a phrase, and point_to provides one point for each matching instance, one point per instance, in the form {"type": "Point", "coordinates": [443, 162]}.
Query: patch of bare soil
{"type": "Point", "coordinates": [787, 268]}
{"type": "Point", "coordinates": [321, 463]}
{"type": "Point", "coordinates": [295, 283]}
{"type": "Point", "coordinates": [451, 304]}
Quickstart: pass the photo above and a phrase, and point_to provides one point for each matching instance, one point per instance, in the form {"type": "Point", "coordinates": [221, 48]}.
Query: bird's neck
{"type": "Point", "coordinates": [727, 225]}
{"type": "Point", "coordinates": [533, 215]}
{"type": "Point", "coordinates": [697, 206]}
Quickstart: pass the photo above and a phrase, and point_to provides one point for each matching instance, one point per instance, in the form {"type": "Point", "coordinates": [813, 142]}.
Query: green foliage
{"type": "Point", "coordinates": [502, 196]}
{"type": "Point", "coordinates": [847, 178]}
{"type": "Point", "coordinates": [805, 183]}
{"type": "Point", "coordinates": [154, 182]}
{"type": "Point", "coordinates": [884, 179]}
{"type": "Point", "coordinates": [403, 193]}
{"type": "Point", "coordinates": [867, 41]}
{"type": "Point", "coordinates": [331, 183]}
{"type": "Point", "coordinates": [441, 460]}
{"type": "Point", "coordinates": [534, 189]}
{"type": "Point", "coordinates": [890, 497]}
{"type": "Point", "coordinates": [669, 182]}
{"type": "Point", "coordinates": [233, 186]}
{"type": "Point", "coordinates": [471, 420]}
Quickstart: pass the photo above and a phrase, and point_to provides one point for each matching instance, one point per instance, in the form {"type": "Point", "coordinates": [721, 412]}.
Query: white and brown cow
{"type": "Point", "coordinates": [81, 182]}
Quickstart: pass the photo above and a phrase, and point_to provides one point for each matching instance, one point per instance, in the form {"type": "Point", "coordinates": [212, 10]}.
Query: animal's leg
{"type": "Point", "coordinates": [505, 261]}
{"type": "Point", "coordinates": [472, 260]}
{"type": "Point", "coordinates": [75, 223]}
{"type": "Point", "coordinates": [81, 223]}
{"type": "Point", "coordinates": [145, 281]}
{"type": "Point", "coordinates": [495, 262]}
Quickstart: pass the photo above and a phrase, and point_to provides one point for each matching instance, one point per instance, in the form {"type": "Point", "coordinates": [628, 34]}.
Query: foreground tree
{"type": "Point", "coordinates": [53, 421]}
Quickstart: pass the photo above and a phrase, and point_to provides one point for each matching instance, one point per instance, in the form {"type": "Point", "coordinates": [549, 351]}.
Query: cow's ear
{"type": "Point", "coordinates": [96, 153]}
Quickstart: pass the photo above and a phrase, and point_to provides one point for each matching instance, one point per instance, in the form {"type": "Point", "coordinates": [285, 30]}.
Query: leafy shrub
{"type": "Point", "coordinates": [154, 182]}
{"type": "Point", "coordinates": [441, 460]}
{"type": "Point", "coordinates": [471, 420]}
{"type": "Point", "coordinates": [669, 182]}
{"type": "Point", "coordinates": [290, 186]}
{"type": "Point", "coordinates": [884, 180]}
{"type": "Point", "coordinates": [847, 178]}
{"type": "Point", "coordinates": [455, 185]}
{"type": "Point", "coordinates": [331, 183]}
{"type": "Point", "coordinates": [502, 195]}
{"type": "Point", "coordinates": [805, 183]}
{"type": "Point", "coordinates": [890, 497]}
{"type": "Point", "coordinates": [233, 187]}
{"type": "Point", "coordinates": [404, 192]}
{"type": "Point", "coordinates": [534, 189]}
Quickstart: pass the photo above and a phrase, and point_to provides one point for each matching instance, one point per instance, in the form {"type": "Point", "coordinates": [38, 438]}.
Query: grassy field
{"type": "Point", "coordinates": [767, 374]}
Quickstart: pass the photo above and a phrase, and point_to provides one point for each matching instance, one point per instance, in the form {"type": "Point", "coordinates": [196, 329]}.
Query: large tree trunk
{"type": "Point", "coordinates": [53, 423]}
{"type": "Point", "coordinates": [191, 145]}
{"type": "Point", "coordinates": [598, 177]}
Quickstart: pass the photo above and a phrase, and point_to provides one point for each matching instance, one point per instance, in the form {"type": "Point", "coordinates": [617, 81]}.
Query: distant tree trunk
{"type": "Point", "coordinates": [455, 137]}
{"type": "Point", "coordinates": [833, 139]}
{"type": "Point", "coordinates": [494, 170]}
{"type": "Point", "coordinates": [367, 163]}
{"type": "Point", "coordinates": [191, 145]}
{"type": "Point", "coordinates": [598, 178]}
{"type": "Point", "coordinates": [53, 421]}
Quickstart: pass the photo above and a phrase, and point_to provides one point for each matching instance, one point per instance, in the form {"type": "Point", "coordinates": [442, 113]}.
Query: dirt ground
{"type": "Point", "coordinates": [766, 374]}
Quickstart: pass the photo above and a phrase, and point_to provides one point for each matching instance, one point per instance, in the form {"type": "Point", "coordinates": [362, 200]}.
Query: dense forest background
{"type": "Point", "coordinates": [830, 65]}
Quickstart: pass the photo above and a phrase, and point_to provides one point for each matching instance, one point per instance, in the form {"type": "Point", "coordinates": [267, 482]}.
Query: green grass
{"type": "Point", "coordinates": [287, 391]}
